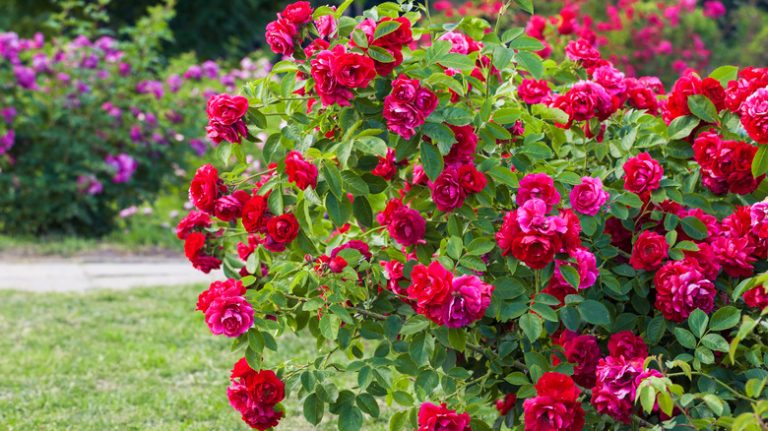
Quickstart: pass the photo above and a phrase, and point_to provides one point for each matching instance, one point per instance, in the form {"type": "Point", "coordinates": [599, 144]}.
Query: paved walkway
{"type": "Point", "coordinates": [76, 276]}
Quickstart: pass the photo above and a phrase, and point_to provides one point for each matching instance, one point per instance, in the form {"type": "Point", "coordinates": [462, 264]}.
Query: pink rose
{"type": "Point", "coordinates": [440, 418]}
{"type": "Point", "coordinates": [229, 315]}
{"type": "Point", "coordinates": [533, 91]}
{"type": "Point", "coordinates": [642, 174]}
{"type": "Point", "coordinates": [682, 288]}
{"type": "Point", "coordinates": [447, 193]}
{"type": "Point", "coordinates": [225, 109]}
{"type": "Point", "coordinates": [587, 198]}
{"type": "Point", "coordinates": [754, 116]}
{"type": "Point", "coordinates": [407, 226]}
{"type": "Point", "coordinates": [280, 34]}
{"type": "Point", "coordinates": [470, 298]}
{"type": "Point", "coordinates": [539, 186]}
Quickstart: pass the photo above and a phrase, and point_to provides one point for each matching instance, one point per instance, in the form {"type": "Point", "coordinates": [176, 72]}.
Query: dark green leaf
{"type": "Point", "coordinates": [702, 107]}
{"type": "Point", "coordinates": [594, 312]}
{"type": "Point", "coordinates": [431, 160]}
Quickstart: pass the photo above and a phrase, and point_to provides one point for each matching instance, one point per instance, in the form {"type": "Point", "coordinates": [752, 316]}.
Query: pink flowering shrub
{"type": "Point", "coordinates": [90, 126]}
{"type": "Point", "coordinates": [494, 241]}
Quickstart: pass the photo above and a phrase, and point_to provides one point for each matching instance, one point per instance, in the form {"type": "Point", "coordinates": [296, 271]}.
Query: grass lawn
{"type": "Point", "coordinates": [130, 360]}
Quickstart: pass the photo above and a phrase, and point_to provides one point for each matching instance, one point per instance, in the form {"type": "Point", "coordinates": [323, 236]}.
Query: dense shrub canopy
{"type": "Point", "coordinates": [469, 223]}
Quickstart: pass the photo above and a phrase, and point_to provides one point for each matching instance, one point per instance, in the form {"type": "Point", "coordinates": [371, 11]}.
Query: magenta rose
{"type": "Point", "coordinates": [447, 193]}
{"type": "Point", "coordinates": [539, 186]}
{"type": "Point", "coordinates": [225, 109]}
{"type": "Point", "coordinates": [440, 418]}
{"type": "Point", "coordinates": [627, 345]}
{"type": "Point", "coordinates": [280, 34]}
{"type": "Point", "coordinates": [682, 288]}
{"type": "Point", "coordinates": [588, 196]}
{"type": "Point", "coordinates": [326, 85]}
{"type": "Point", "coordinates": [407, 226]}
{"type": "Point", "coordinates": [229, 315]}
{"type": "Point", "coordinates": [533, 91]}
{"type": "Point", "coordinates": [642, 174]}
{"type": "Point", "coordinates": [470, 298]}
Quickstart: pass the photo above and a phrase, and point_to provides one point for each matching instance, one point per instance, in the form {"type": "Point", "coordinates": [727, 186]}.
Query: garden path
{"type": "Point", "coordinates": [71, 275]}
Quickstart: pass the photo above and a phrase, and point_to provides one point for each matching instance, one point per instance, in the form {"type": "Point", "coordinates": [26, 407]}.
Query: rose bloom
{"type": "Point", "coordinates": [407, 226]}
{"type": "Point", "coordinates": [266, 387]}
{"type": "Point", "coordinates": [470, 298]}
{"type": "Point", "coordinates": [583, 52]}
{"type": "Point", "coordinates": [298, 13]}
{"type": "Point", "coordinates": [353, 70]}
{"type": "Point", "coordinates": [430, 286]}
{"type": "Point", "coordinates": [587, 198]}
{"type": "Point", "coordinates": [532, 218]}
{"type": "Point", "coordinates": [614, 389]}
{"type": "Point", "coordinates": [193, 220]}
{"type": "Point", "coordinates": [326, 85]}
{"type": "Point", "coordinates": [506, 404]}
{"type": "Point", "coordinates": [611, 79]}
{"type": "Point", "coordinates": [299, 171]}
{"type": "Point", "coordinates": [219, 133]}
{"type": "Point", "coordinates": [393, 272]}
{"type": "Point", "coordinates": [463, 151]}
{"type": "Point", "coordinates": [754, 116]}
{"type": "Point", "coordinates": [460, 43]}
{"type": "Point", "coordinates": [280, 34]}
{"type": "Point", "coordinates": [586, 265]}
{"type": "Point", "coordinates": [757, 297]}
{"type": "Point", "coordinates": [734, 255]}
{"type": "Point", "coordinates": [229, 315]}
{"type": "Point", "coordinates": [586, 100]}
{"type": "Point", "coordinates": [555, 407]}
{"type": "Point", "coordinates": [283, 228]}
{"type": "Point", "coordinates": [407, 106]}
{"type": "Point", "coordinates": [642, 174]}
{"type": "Point", "coordinates": [627, 345]}
{"type": "Point", "coordinates": [440, 418]}
{"type": "Point", "coordinates": [262, 417]}
{"type": "Point", "coordinates": [649, 251]}
{"type": "Point", "coordinates": [533, 91]}
{"type": "Point", "coordinates": [205, 188]}
{"type": "Point", "coordinates": [218, 289]}
{"type": "Point", "coordinates": [582, 351]}
{"type": "Point", "coordinates": [230, 207]}
{"type": "Point", "coordinates": [225, 109]}
{"type": "Point", "coordinates": [254, 214]}
{"type": "Point", "coordinates": [447, 193]}
{"type": "Point", "coordinates": [471, 180]}
{"type": "Point", "coordinates": [539, 186]}
{"type": "Point", "coordinates": [682, 288]}
{"type": "Point", "coordinates": [387, 166]}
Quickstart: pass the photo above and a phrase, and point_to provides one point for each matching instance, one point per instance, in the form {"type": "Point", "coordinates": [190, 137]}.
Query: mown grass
{"type": "Point", "coordinates": [131, 360]}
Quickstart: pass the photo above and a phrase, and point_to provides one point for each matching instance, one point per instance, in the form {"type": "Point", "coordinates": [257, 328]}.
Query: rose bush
{"type": "Point", "coordinates": [93, 127]}
{"type": "Point", "coordinates": [462, 225]}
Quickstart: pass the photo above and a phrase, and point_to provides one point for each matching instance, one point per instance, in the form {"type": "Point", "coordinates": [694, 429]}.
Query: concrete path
{"type": "Point", "coordinates": [76, 276]}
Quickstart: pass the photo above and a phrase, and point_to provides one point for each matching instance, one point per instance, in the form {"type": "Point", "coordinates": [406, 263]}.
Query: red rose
{"type": "Point", "coordinates": [682, 288]}
{"type": "Point", "coordinates": [205, 188]}
{"type": "Point", "coordinates": [677, 102]}
{"type": "Point", "coordinates": [584, 352]}
{"type": "Point", "coordinates": [642, 174]}
{"type": "Point", "coordinates": [440, 418]}
{"type": "Point", "coordinates": [193, 244]}
{"type": "Point", "coordinates": [533, 91]}
{"type": "Point", "coordinates": [714, 91]}
{"type": "Point", "coordinates": [586, 100]}
{"type": "Point", "coordinates": [754, 116]}
{"type": "Point", "coordinates": [398, 38]}
{"type": "Point", "coordinates": [555, 407]}
{"type": "Point", "coordinates": [583, 52]}
{"type": "Point", "coordinates": [230, 207]}
{"type": "Point", "coordinates": [463, 151]}
{"type": "Point", "coordinates": [471, 180]}
{"type": "Point", "coordinates": [193, 220]}
{"type": "Point", "coordinates": [447, 193]}
{"type": "Point", "coordinates": [280, 34]}
{"type": "Point", "coordinates": [387, 166]}
{"type": "Point", "coordinates": [430, 286]}
{"type": "Point", "coordinates": [506, 404]}
{"type": "Point", "coordinates": [539, 186]}
{"type": "Point", "coordinates": [218, 289]}
{"type": "Point", "coordinates": [262, 417]}
{"type": "Point", "coordinates": [298, 13]}
{"type": "Point", "coordinates": [225, 109]}
{"type": "Point", "coordinates": [326, 85]}
{"type": "Point", "coordinates": [649, 251]}
{"type": "Point", "coordinates": [299, 171]}
{"type": "Point", "coordinates": [407, 226]}
{"type": "Point", "coordinates": [757, 297]}
{"type": "Point", "coordinates": [353, 70]}
{"type": "Point", "coordinates": [628, 345]}
{"type": "Point", "coordinates": [283, 228]}
{"type": "Point", "coordinates": [254, 214]}
{"type": "Point", "coordinates": [535, 250]}
{"type": "Point", "coordinates": [219, 133]}
{"type": "Point", "coordinates": [266, 387]}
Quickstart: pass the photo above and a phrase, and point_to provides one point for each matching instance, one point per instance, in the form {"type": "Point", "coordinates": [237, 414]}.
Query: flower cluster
{"type": "Point", "coordinates": [225, 118]}
{"type": "Point", "coordinates": [726, 166]}
{"type": "Point", "coordinates": [555, 406]}
{"type": "Point", "coordinates": [226, 310]}
{"type": "Point", "coordinates": [256, 395]}
{"type": "Point", "coordinates": [447, 300]}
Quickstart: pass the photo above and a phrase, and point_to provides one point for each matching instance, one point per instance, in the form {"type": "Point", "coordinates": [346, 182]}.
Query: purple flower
{"type": "Point", "coordinates": [211, 69]}
{"type": "Point", "coordinates": [7, 141]}
{"type": "Point", "coordinates": [198, 145]}
{"type": "Point", "coordinates": [153, 87]}
{"type": "Point", "coordinates": [10, 47]}
{"type": "Point", "coordinates": [111, 110]}
{"type": "Point", "coordinates": [41, 63]}
{"type": "Point", "coordinates": [123, 165]}
{"type": "Point", "coordinates": [174, 83]}
{"type": "Point", "coordinates": [127, 212]}
{"type": "Point", "coordinates": [25, 77]}
{"type": "Point", "coordinates": [135, 133]}
{"type": "Point", "coordinates": [8, 114]}
{"type": "Point", "coordinates": [88, 184]}
{"type": "Point", "coordinates": [124, 69]}
{"type": "Point", "coordinates": [82, 87]}
{"type": "Point", "coordinates": [194, 72]}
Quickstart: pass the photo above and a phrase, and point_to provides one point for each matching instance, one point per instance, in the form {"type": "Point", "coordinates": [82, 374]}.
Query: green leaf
{"type": "Point", "coordinates": [380, 54]}
{"type": "Point", "coordinates": [275, 202]}
{"type": "Point", "coordinates": [702, 107]}
{"type": "Point", "coordinates": [398, 421]}
{"type": "Point", "coordinates": [655, 330]}
{"type": "Point", "coordinates": [571, 275]}
{"type": "Point", "coordinates": [760, 162]}
{"type": "Point", "coordinates": [681, 127]}
{"type": "Point", "coordinates": [457, 61]}
{"type": "Point", "coordinates": [368, 404]}
{"type": "Point", "coordinates": [332, 178]}
{"type": "Point", "coordinates": [518, 379]}
{"type": "Point", "coordinates": [630, 200]}
{"type": "Point", "coordinates": [715, 342]}
{"type": "Point", "coordinates": [697, 321]}
{"type": "Point", "coordinates": [526, 43]}
{"type": "Point", "coordinates": [647, 397]}
{"type": "Point", "coordinates": [506, 115]}
{"type": "Point", "coordinates": [531, 325]}
{"type": "Point", "coordinates": [454, 247]}
{"type": "Point", "coordinates": [457, 339]}
{"type": "Point", "coordinates": [362, 211]}
{"type": "Point", "coordinates": [431, 160]}
{"type": "Point", "coordinates": [694, 228]}
{"type": "Point", "coordinates": [504, 175]}
{"type": "Point", "coordinates": [526, 5]}
{"type": "Point", "coordinates": [329, 326]}
{"type": "Point", "coordinates": [725, 318]}
{"type": "Point", "coordinates": [371, 145]}
{"type": "Point", "coordinates": [725, 74]}
{"type": "Point", "coordinates": [545, 312]}
{"type": "Point", "coordinates": [384, 28]}
{"type": "Point", "coordinates": [350, 419]}
{"type": "Point", "coordinates": [338, 210]}
{"type": "Point", "coordinates": [714, 403]}
{"type": "Point", "coordinates": [457, 116]}
{"type": "Point", "coordinates": [354, 184]}
{"type": "Point", "coordinates": [360, 38]}
{"type": "Point", "coordinates": [313, 409]}
{"type": "Point", "coordinates": [594, 312]}
{"type": "Point", "coordinates": [685, 338]}
{"type": "Point", "coordinates": [414, 325]}
{"type": "Point", "coordinates": [531, 62]}
{"type": "Point", "coordinates": [440, 134]}
{"type": "Point", "coordinates": [537, 151]}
